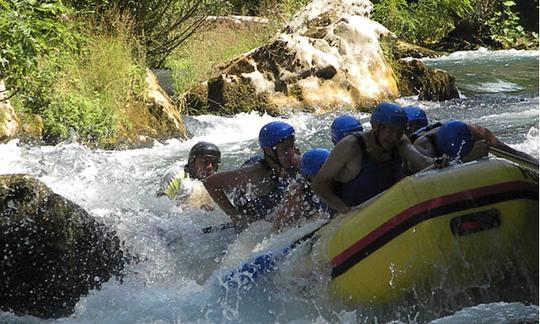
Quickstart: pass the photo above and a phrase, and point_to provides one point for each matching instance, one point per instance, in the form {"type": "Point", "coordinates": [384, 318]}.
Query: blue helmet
{"type": "Point", "coordinates": [312, 161]}
{"type": "Point", "coordinates": [274, 132]}
{"type": "Point", "coordinates": [387, 113]}
{"type": "Point", "coordinates": [417, 115]}
{"type": "Point", "coordinates": [344, 125]}
{"type": "Point", "coordinates": [455, 139]}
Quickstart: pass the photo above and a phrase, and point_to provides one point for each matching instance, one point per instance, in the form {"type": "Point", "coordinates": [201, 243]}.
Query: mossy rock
{"type": "Point", "coordinates": [235, 96]}
{"type": "Point", "coordinates": [429, 84]}
{"type": "Point", "coordinates": [31, 128]}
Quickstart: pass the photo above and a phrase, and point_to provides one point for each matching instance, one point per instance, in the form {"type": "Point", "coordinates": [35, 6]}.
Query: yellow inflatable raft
{"type": "Point", "coordinates": [453, 224]}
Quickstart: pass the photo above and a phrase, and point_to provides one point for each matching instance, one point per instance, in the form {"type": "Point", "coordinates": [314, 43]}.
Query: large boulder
{"type": "Point", "coordinates": [328, 56]}
{"type": "Point", "coordinates": [52, 252]}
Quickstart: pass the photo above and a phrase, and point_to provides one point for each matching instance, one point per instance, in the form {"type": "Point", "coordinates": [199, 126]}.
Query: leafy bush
{"type": "Point", "coordinates": [84, 90]}
{"type": "Point", "coordinates": [30, 29]}
{"type": "Point", "coordinates": [427, 22]}
{"type": "Point", "coordinates": [76, 114]}
{"type": "Point", "coordinates": [93, 87]}
{"type": "Point", "coordinates": [424, 22]}
{"type": "Point", "coordinates": [504, 27]}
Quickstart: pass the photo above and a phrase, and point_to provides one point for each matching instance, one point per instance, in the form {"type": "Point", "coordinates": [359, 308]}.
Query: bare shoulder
{"type": "Point", "coordinates": [346, 148]}
{"type": "Point", "coordinates": [423, 145]}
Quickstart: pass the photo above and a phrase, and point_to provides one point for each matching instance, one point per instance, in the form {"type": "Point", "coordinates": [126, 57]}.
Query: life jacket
{"type": "Point", "coordinates": [259, 207]}
{"type": "Point", "coordinates": [372, 179]}
{"type": "Point", "coordinates": [179, 187]}
{"type": "Point", "coordinates": [423, 131]}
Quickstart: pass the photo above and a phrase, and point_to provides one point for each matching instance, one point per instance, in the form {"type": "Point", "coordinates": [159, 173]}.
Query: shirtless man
{"type": "Point", "coordinates": [251, 192]}
{"type": "Point", "coordinates": [363, 165]}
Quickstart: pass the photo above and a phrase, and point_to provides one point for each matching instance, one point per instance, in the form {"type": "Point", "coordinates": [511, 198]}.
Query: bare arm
{"type": "Point", "coordinates": [416, 160]}
{"type": "Point", "coordinates": [482, 133]}
{"type": "Point", "coordinates": [322, 184]}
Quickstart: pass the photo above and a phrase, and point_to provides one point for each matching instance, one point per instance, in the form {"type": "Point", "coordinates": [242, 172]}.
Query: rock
{"type": "Point", "coordinates": [402, 49]}
{"type": "Point", "coordinates": [429, 84]}
{"type": "Point", "coordinates": [52, 252]}
{"type": "Point", "coordinates": [154, 118]}
{"type": "Point", "coordinates": [163, 109]}
{"type": "Point", "coordinates": [328, 56]}
{"type": "Point", "coordinates": [9, 122]}
{"type": "Point", "coordinates": [31, 128]}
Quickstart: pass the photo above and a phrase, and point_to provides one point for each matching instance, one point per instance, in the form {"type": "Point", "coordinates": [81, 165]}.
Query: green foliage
{"type": "Point", "coordinates": [288, 8]}
{"type": "Point", "coordinates": [196, 59]}
{"type": "Point", "coordinates": [427, 22]}
{"type": "Point", "coordinates": [424, 22]}
{"type": "Point", "coordinates": [505, 28]}
{"type": "Point", "coordinates": [84, 90]}
{"type": "Point", "coordinates": [92, 88]}
{"type": "Point", "coordinates": [87, 117]}
{"type": "Point", "coordinates": [246, 7]}
{"type": "Point", "coordinates": [162, 25]}
{"type": "Point", "coordinates": [30, 29]}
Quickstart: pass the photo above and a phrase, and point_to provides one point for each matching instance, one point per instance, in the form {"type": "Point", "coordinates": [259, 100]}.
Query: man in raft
{"type": "Point", "coordinates": [463, 141]}
{"type": "Point", "coordinates": [363, 165]}
{"type": "Point", "coordinates": [255, 189]}
{"type": "Point", "coordinates": [184, 185]}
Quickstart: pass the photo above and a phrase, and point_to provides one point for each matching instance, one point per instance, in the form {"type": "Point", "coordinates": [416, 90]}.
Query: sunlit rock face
{"type": "Point", "coordinates": [163, 109]}
{"type": "Point", "coordinates": [52, 252]}
{"type": "Point", "coordinates": [9, 123]}
{"type": "Point", "coordinates": [328, 56]}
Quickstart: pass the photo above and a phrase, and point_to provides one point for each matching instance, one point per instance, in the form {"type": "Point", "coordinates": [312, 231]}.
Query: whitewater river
{"type": "Point", "coordinates": [177, 279]}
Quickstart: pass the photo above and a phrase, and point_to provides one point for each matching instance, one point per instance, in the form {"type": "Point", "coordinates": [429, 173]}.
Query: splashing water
{"type": "Point", "coordinates": [178, 278]}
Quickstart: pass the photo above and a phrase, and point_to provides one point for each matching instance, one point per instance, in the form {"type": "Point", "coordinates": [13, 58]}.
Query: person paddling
{"type": "Point", "coordinates": [259, 187]}
{"type": "Point", "coordinates": [463, 141]}
{"type": "Point", "coordinates": [363, 165]}
{"type": "Point", "coordinates": [184, 185]}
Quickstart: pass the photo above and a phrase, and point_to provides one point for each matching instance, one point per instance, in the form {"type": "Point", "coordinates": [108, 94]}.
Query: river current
{"type": "Point", "coordinates": [177, 278]}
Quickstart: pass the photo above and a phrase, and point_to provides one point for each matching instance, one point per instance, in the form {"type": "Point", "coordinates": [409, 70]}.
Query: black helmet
{"type": "Point", "coordinates": [204, 148]}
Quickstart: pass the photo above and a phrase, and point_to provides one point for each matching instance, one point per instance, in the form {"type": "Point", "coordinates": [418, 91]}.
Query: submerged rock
{"type": "Point", "coordinates": [328, 56]}
{"type": "Point", "coordinates": [52, 252]}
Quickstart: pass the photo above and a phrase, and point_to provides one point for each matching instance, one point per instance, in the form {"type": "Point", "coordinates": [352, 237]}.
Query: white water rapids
{"type": "Point", "coordinates": [176, 280]}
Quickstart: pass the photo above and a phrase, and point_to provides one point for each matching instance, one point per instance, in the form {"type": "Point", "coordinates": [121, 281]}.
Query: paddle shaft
{"type": "Point", "coordinates": [512, 157]}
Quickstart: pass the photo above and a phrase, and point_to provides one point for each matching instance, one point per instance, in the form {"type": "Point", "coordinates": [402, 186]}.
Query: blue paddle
{"type": "Point", "coordinates": [250, 271]}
